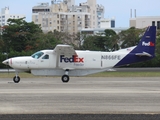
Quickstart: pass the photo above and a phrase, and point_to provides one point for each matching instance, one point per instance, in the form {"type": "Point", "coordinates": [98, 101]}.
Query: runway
{"type": "Point", "coordinates": [96, 98]}
{"type": "Point", "coordinates": [82, 95]}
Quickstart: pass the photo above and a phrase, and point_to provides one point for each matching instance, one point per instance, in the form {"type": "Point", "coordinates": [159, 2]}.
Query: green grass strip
{"type": "Point", "coordinates": [102, 74]}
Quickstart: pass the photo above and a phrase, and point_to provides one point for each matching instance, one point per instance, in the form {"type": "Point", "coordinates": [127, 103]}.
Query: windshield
{"type": "Point", "coordinates": [37, 55]}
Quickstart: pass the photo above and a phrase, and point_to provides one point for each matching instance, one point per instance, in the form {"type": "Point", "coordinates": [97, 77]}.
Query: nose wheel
{"type": "Point", "coordinates": [16, 79]}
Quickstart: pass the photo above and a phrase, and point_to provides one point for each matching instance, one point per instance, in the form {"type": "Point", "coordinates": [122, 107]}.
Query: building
{"type": "Point", "coordinates": [57, 17]}
{"type": "Point", "coordinates": [96, 11]}
{"type": "Point", "coordinates": [66, 16]}
{"type": "Point", "coordinates": [5, 15]}
{"type": "Point", "coordinates": [100, 31]}
{"type": "Point", "coordinates": [69, 3]}
{"type": "Point", "coordinates": [107, 23]}
{"type": "Point", "coordinates": [142, 22]}
{"type": "Point", "coordinates": [93, 11]}
{"type": "Point", "coordinates": [64, 22]}
{"type": "Point", "coordinates": [100, 15]}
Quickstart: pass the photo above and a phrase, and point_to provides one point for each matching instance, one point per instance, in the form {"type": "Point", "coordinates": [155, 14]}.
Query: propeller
{"type": "Point", "coordinates": [6, 62]}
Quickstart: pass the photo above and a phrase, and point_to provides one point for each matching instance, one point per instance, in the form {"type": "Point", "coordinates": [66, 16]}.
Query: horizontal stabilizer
{"type": "Point", "coordinates": [144, 54]}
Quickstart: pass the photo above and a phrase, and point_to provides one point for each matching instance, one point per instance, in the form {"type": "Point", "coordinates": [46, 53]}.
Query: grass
{"type": "Point", "coordinates": [102, 74]}
{"type": "Point", "coordinates": [127, 74]}
{"type": "Point", "coordinates": [11, 75]}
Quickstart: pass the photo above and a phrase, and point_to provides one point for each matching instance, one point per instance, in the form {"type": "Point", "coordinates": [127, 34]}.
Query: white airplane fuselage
{"type": "Point", "coordinates": [86, 61]}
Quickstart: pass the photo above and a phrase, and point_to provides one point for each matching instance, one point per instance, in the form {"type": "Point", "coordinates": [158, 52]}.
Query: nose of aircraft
{"type": "Point", "coordinates": [6, 62]}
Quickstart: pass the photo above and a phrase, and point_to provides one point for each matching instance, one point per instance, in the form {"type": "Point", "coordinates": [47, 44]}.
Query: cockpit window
{"type": "Point", "coordinates": [45, 57]}
{"type": "Point", "coordinates": [37, 55]}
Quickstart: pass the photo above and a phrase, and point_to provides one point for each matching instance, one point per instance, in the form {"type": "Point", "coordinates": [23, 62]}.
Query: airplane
{"type": "Point", "coordinates": [64, 61]}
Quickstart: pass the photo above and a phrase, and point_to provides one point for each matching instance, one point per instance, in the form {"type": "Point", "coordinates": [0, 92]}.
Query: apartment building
{"type": "Point", "coordinates": [66, 16]}
{"type": "Point", "coordinates": [57, 17]}
{"type": "Point", "coordinates": [5, 15]}
{"type": "Point", "coordinates": [63, 22]}
{"type": "Point", "coordinates": [100, 15]}
{"type": "Point", "coordinates": [93, 11]}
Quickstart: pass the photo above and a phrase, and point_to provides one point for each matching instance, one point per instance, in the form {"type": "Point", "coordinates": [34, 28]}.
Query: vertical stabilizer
{"type": "Point", "coordinates": [147, 43]}
{"type": "Point", "coordinates": [145, 50]}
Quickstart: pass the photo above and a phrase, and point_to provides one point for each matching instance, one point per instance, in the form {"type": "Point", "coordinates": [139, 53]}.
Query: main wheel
{"type": "Point", "coordinates": [16, 79]}
{"type": "Point", "coordinates": [65, 78]}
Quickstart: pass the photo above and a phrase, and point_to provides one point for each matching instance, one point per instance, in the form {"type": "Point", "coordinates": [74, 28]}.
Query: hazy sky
{"type": "Point", "coordinates": [119, 9]}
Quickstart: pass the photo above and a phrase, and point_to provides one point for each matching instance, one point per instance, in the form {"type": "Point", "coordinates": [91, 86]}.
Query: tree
{"type": "Point", "coordinates": [18, 34]}
{"type": "Point", "coordinates": [112, 40]}
{"type": "Point", "coordinates": [95, 43]}
{"type": "Point", "coordinates": [107, 42]}
{"type": "Point", "coordinates": [1, 41]}
{"type": "Point", "coordinates": [158, 42]}
{"type": "Point", "coordinates": [47, 41]}
{"type": "Point", "coordinates": [130, 37]}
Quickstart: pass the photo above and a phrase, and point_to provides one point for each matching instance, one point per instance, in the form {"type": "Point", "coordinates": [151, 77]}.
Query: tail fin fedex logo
{"type": "Point", "coordinates": [148, 44]}
{"type": "Point", "coordinates": [73, 59]}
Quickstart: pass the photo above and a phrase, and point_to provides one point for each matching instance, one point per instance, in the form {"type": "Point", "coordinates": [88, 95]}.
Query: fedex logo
{"type": "Point", "coordinates": [148, 44]}
{"type": "Point", "coordinates": [73, 59]}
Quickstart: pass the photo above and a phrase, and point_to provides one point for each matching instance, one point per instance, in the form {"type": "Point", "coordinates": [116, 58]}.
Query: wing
{"type": "Point", "coordinates": [64, 50]}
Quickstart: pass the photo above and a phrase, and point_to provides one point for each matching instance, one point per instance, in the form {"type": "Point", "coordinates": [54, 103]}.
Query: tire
{"type": "Point", "coordinates": [16, 79]}
{"type": "Point", "coordinates": [65, 78]}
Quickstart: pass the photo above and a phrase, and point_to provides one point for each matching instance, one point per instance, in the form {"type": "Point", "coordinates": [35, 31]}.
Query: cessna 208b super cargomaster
{"type": "Point", "coordinates": [65, 61]}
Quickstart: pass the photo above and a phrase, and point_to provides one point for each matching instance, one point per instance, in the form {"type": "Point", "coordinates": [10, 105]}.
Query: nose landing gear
{"type": "Point", "coordinates": [16, 78]}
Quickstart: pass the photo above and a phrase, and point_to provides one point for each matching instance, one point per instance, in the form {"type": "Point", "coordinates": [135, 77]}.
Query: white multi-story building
{"type": "Point", "coordinates": [93, 11]}
{"type": "Point", "coordinates": [107, 23]}
{"type": "Point", "coordinates": [96, 11]}
{"type": "Point", "coordinates": [100, 15]}
{"type": "Point", "coordinates": [66, 16]}
{"type": "Point", "coordinates": [5, 15]}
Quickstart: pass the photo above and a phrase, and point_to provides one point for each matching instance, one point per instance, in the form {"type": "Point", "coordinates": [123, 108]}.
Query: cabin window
{"type": "Point", "coordinates": [45, 57]}
{"type": "Point", "coordinates": [37, 55]}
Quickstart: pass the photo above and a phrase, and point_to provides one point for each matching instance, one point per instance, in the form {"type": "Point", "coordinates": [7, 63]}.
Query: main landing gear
{"type": "Point", "coordinates": [16, 78]}
{"type": "Point", "coordinates": [65, 77]}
